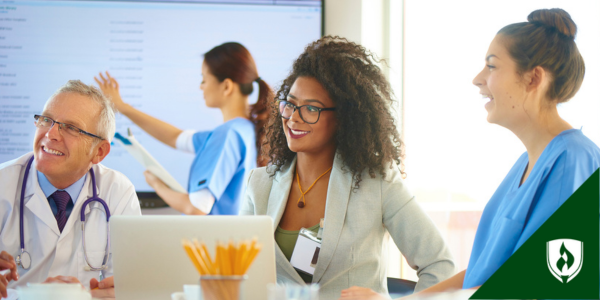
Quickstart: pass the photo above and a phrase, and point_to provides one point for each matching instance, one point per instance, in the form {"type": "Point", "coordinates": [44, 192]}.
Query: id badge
{"type": "Point", "coordinates": [306, 252]}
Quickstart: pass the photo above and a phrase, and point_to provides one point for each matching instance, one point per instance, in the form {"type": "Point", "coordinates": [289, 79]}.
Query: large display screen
{"type": "Point", "coordinates": [153, 48]}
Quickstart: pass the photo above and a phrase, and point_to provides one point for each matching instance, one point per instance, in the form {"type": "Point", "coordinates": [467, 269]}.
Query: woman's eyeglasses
{"type": "Point", "coordinates": [308, 113]}
{"type": "Point", "coordinates": [47, 123]}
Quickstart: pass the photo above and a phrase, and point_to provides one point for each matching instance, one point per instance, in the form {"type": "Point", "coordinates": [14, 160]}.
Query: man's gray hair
{"type": "Point", "coordinates": [106, 122]}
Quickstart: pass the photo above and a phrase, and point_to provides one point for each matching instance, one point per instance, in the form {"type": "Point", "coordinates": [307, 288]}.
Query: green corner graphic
{"type": "Point", "coordinates": [561, 259]}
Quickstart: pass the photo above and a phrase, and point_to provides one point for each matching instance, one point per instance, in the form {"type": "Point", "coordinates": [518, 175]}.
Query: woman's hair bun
{"type": "Point", "coordinates": [555, 18]}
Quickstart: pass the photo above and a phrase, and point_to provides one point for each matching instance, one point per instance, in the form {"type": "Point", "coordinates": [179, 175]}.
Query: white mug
{"type": "Point", "coordinates": [178, 296]}
{"type": "Point", "coordinates": [192, 291]}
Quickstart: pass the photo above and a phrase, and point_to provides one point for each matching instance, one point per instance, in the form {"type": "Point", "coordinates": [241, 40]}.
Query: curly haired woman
{"type": "Point", "coordinates": [336, 154]}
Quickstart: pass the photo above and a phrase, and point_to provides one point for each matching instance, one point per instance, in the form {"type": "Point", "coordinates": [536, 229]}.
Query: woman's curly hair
{"type": "Point", "coordinates": [366, 137]}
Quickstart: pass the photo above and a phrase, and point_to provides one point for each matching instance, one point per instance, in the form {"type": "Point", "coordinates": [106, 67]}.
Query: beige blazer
{"type": "Point", "coordinates": [355, 223]}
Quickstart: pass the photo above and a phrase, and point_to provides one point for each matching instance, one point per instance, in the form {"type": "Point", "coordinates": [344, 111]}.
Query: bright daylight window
{"type": "Point", "coordinates": [455, 159]}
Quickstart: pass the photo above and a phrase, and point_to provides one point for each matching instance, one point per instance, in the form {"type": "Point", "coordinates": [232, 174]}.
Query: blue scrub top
{"type": "Point", "coordinates": [224, 158]}
{"type": "Point", "coordinates": [514, 213]}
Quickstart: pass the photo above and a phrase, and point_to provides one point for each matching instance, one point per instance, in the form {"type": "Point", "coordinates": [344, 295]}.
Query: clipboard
{"type": "Point", "coordinates": [148, 161]}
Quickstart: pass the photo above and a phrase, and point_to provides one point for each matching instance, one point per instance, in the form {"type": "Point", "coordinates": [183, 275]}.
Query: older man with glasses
{"type": "Point", "coordinates": [46, 196]}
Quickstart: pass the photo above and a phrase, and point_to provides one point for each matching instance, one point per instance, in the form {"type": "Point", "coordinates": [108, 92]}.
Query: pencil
{"type": "Point", "coordinates": [251, 258]}
{"type": "Point", "coordinates": [232, 254]}
{"type": "Point", "coordinates": [232, 258]}
{"type": "Point", "coordinates": [205, 256]}
{"type": "Point", "coordinates": [229, 259]}
{"type": "Point", "coordinates": [240, 256]}
{"type": "Point", "coordinates": [189, 249]}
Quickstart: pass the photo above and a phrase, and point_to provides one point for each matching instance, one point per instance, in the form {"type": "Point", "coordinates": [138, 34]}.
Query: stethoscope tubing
{"type": "Point", "coordinates": [22, 204]}
{"type": "Point", "coordinates": [82, 218]}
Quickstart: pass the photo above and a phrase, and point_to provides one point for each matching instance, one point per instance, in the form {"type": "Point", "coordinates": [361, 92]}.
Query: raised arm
{"type": "Point", "coordinates": [160, 130]}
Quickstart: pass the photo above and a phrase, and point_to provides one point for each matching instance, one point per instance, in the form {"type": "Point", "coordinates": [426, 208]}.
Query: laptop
{"type": "Point", "coordinates": [149, 261]}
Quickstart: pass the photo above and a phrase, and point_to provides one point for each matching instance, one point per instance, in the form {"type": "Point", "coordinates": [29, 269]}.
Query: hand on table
{"type": "Point", "coordinates": [104, 289]}
{"type": "Point", "coordinates": [110, 88]}
{"type": "Point", "coordinates": [360, 293]}
{"type": "Point", "coordinates": [7, 262]}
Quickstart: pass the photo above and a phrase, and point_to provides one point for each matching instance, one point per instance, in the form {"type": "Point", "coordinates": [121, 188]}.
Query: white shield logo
{"type": "Point", "coordinates": [564, 258]}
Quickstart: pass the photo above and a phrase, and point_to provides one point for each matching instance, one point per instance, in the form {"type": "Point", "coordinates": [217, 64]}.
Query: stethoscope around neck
{"type": "Point", "coordinates": [24, 259]}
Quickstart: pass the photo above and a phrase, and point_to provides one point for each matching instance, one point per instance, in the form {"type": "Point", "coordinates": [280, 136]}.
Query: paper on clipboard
{"type": "Point", "coordinates": [150, 163]}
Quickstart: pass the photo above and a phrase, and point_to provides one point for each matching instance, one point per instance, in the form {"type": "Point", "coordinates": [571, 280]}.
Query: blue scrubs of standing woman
{"type": "Point", "coordinates": [224, 155]}
{"type": "Point", "coordinates": [530, 68]}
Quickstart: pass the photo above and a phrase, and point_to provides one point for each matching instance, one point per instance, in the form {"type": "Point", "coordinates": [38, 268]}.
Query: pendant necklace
{"type": "Point", "coordinates": [302, 203]}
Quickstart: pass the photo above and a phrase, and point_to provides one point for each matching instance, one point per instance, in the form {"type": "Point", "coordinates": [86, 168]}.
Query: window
{"type": "Point", "coordinates": [455, 159]}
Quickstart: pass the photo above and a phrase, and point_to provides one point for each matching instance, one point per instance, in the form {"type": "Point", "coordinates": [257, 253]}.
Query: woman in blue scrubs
{"type": "Point", "coordinates": [530, 68]}
{"type": "Point", "coordinates": [224, 155]}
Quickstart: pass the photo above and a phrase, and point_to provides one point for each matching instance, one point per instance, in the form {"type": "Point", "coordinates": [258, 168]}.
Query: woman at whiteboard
{"type": "Point", "coordinates": [224, 155]}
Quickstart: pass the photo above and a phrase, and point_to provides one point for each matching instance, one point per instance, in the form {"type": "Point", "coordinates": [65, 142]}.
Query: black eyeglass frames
{"type": "Point", "coordinates": [308, 113]}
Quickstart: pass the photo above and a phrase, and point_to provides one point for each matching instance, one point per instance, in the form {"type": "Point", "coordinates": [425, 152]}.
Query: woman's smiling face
{"type": "Point", "coordinates": [502, 85]}
{"type": "Point", "coordinates": [304, 137]}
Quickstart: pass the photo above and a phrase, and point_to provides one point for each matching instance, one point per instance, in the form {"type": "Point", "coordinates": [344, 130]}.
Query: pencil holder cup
{"type": "Point", "coordinates": [216, 287]}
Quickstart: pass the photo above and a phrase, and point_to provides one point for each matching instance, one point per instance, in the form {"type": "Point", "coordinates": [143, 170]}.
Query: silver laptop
{"type": "Point", "coordinates": [150, 263]}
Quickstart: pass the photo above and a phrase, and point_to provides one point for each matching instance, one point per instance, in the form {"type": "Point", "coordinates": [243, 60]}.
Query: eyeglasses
{"type": "Point", "coordinates": [308, 113]}
{"type": "Point", "coordinates": [47, 123]}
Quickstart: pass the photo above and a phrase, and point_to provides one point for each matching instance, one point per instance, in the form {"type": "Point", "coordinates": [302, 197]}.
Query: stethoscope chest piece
{"type": "Point", "coordinates": [23, 260]}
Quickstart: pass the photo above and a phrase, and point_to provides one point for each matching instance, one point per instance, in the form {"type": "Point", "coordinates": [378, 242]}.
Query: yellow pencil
{"type": "Point", "coordinates": [240, 256]}
{"type": "Point", "coordinates": [207, 267]}
{"type": "Point", "coordinates": [205, 256]}
{"type": "Point", "coordinates": [254, 241]}
{"type": "Point", "coordinates": [217, 259]}
{"type": "Point", "coordinates": [232, 254]}
{"type": "Point", "coordinates": [214, 264]}
{"type": "Point", "coordinates": [224, 259]}
{"type": "Point", "coordinates": [251, 258]}
{"type": "Point", "coordinates": [194, 257]}
{"type": "Point", "coordinates": [230, 259]}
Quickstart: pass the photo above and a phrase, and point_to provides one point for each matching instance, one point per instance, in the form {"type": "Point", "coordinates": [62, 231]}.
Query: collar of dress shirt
{"type": "Point", "coordinates": [73, 190]}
